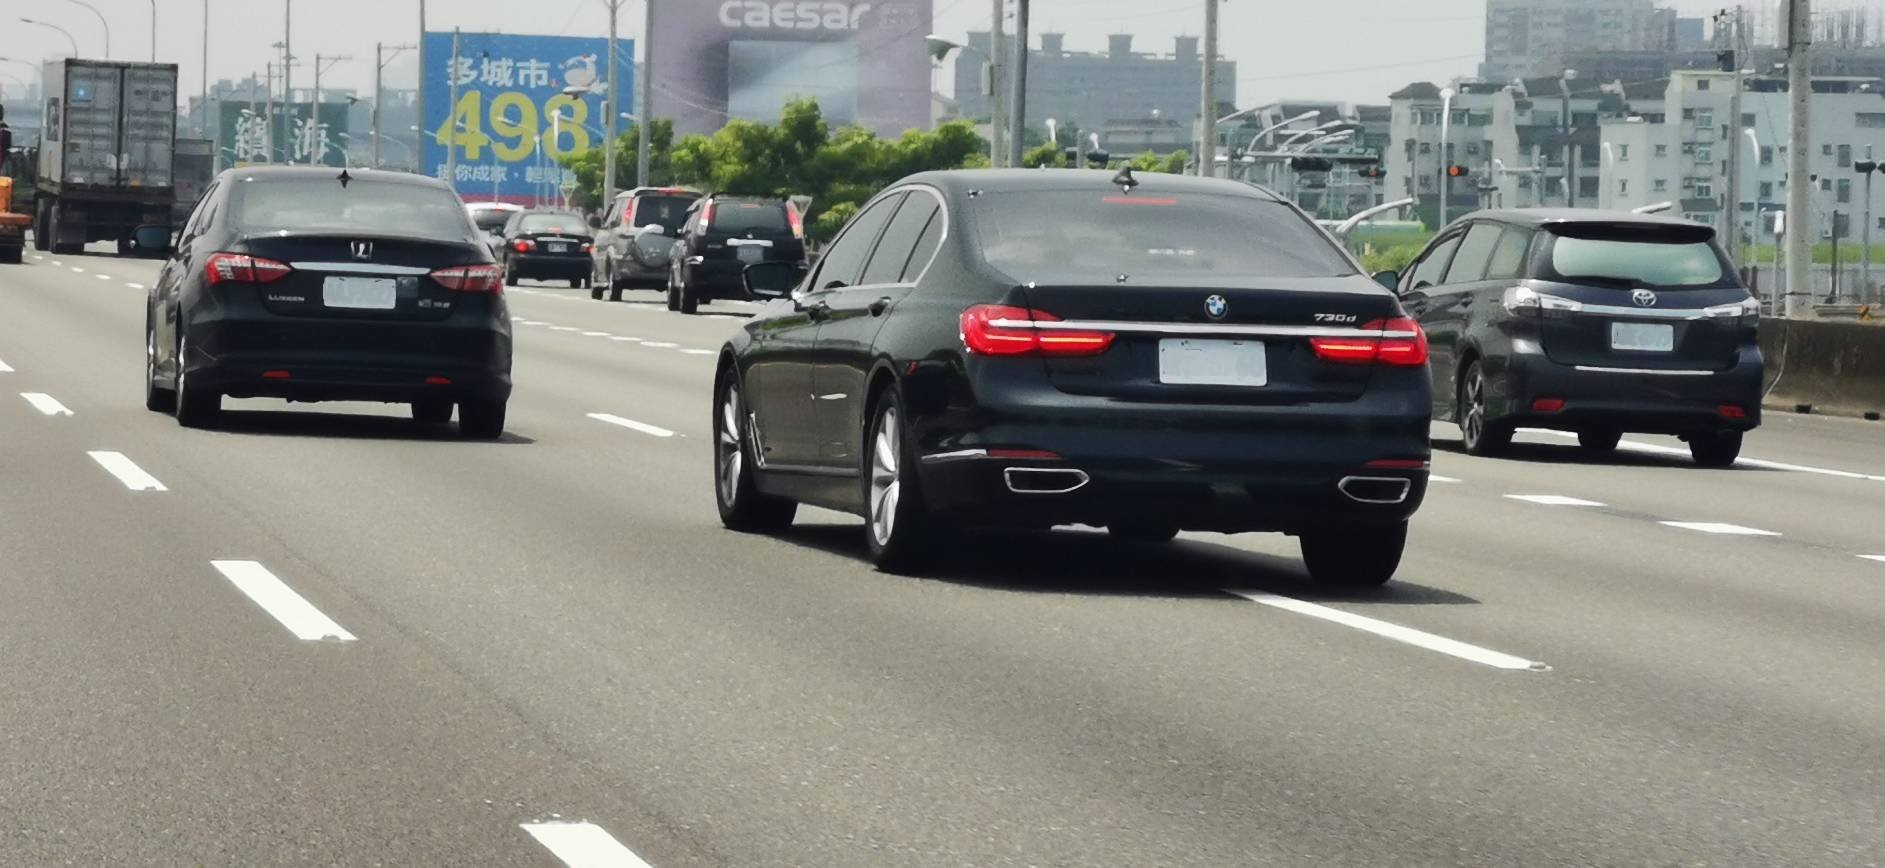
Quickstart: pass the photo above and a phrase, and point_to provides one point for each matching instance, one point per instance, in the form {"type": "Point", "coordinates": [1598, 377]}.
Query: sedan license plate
{"type": "Point", "coordinates": [361, 293]}
{"type": "Point", "coordinates": [556, 247]}
{"type": "Point", "coordinates": [1185, 362]}
{"type": "Point", "coordinates": [1642, 337]}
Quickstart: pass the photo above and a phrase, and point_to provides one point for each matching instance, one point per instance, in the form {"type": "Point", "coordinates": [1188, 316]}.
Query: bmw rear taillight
{"type": "Point", "coordinates": [1396, 342]}
{"type": "Point", "coordinates": [797, 220]}
{"type": "Point", "coordinates": [524, 245]}
{"type": "Point", "coordinates": [1003, 330]}
{"type": "Point", "coordinates": [243, 268]}
{"type": "Point", "coordinates": [470, 278]}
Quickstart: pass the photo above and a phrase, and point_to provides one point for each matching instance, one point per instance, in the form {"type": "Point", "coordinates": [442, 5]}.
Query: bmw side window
{"type": "Point", "coordinates": [1432, 269]}
{"type": "Point", "coordinates": [925, 248]}
{"type": "Point", "coordinates": [1469, 264]}
{"type": "Point", "coordinates": [844, 260]}
{"type": "Point", "coordinates": [899, 241]}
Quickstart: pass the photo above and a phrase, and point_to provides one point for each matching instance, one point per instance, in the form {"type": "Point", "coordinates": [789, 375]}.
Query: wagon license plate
{"type": "Point", "coordinates": [1639, 337]}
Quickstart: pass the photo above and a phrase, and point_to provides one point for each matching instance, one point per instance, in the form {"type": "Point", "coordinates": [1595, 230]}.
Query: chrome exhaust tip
{"type": "Point", "coordinates": [1044, 480]}
{"type": "Point", "coordinates": [1376, 489]}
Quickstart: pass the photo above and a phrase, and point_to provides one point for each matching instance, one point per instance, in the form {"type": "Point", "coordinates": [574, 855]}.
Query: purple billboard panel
{"type": "Point", "coordinates": [865, 62]}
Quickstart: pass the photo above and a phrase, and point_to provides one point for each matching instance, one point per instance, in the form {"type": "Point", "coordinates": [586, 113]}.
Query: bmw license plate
{"type": "Point", "coordinates": [1186, 362]}
{"type": "Point", "coordinates": [1640, 337]}
{"type": "Point", "coordinates": [750, 253]}
{"type": "Point", "coordinates": [360, 293]}
{"type": "Point", "coordinates": [556, 247]}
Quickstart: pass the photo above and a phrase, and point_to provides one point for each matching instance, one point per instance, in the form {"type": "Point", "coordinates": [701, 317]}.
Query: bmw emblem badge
{"type": "Point", "coordinates": [1216, 306]}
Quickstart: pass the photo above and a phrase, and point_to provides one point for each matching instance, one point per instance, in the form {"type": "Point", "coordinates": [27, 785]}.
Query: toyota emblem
{"type": "Point", "coordinates": [1217, 306]}
{"type": "Point", "coordinates": [1643, 298]}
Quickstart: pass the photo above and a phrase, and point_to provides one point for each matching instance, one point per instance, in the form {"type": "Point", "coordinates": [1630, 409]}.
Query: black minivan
{"type": "Point", "coordinates": [1593, 322]}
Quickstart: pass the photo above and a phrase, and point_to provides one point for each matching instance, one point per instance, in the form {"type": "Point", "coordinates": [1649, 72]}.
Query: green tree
{"type": "Point", "coordinates": [589, 169]}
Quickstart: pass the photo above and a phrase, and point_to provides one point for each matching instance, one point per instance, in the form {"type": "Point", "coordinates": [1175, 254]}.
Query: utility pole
{"type": "Point", "coordinates": [1207, 119]}
{"type": "Point", "coordinates": [1018, 103]}
{"type": "Point", "coordinates": [287, 77]}
{"type": "Point", "coordinates": [1733, 59]}
{"type": "Point", "coordinates": [644, 103]}
{"type": "Point", "coordinates": [418, 139]}
{"type": "Point", "coordinates": [615, 112]}
{"type": "Point", "coordinates": [268, 112]}
{"type": "Point", "coordinates": [996, 153]}
{"type": "Point", "coordinates": [1799, 153]}
{"type": "Point", "coordinates": [1570, 146]}
{"type": "Point", "coordinates": [202, 117]}
{"type": "Point", "coordinates": [1868, 167]}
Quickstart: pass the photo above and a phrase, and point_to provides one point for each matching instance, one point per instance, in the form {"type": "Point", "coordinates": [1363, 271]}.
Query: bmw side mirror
{"type": "Point", "coordinates": [1389, 279]}
{"type": "Point", "coordinates": [770, 280]}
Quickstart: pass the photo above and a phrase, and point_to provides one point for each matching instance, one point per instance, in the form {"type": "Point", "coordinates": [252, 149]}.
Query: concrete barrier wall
{"type": "Point", "coordinates": [1836, 367]}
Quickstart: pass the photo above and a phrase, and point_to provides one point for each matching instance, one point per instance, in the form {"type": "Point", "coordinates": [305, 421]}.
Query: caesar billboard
{"type": "Point", "coordinates": [865, 62]}
{"type": "Point", "coordinates": [522, 104]}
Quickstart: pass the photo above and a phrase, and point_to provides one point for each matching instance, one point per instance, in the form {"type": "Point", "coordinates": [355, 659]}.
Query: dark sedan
{"type": "Point", "coordinates": [547, 245]}
{"type": "Point", "coordinates": [1037, 348]}
{"type": "Point", "coordinates": [1593, 322]}
{"type": "Point", "coordinates": [316, 284]}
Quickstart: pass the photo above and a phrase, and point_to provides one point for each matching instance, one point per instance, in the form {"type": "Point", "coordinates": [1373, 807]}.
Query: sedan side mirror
{"type": "Point", "coordinates": [152, 240]}
{"type": "Point", "coordinates": [1389, 279]}
{"type": "Point", "coordinates": [770, 280]}
{"type": "Point", "coordinates": [595, 222]}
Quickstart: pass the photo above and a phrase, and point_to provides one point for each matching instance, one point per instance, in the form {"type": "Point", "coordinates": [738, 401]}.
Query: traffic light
{"type": "Point", "coordinates": [1458, 171]}
{"type": "Point", "coordinates": [1312, 164]}
{"type": "Point", "coordinates": [1373, 172]}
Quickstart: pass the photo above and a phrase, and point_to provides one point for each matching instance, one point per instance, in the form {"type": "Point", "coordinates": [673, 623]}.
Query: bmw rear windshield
{"type": "Point", "coordinates": [1635, 257]}
{"type": "Point", "coordinates": [1108, 237]}
{"type": "Point", "coordinates": [316, 204]}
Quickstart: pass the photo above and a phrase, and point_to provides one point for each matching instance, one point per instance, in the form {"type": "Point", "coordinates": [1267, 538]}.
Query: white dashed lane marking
{"type": "Point", "coordinates": [660, 345]}
{"type": "Point", "coordinates": [1396, 632]}
{"type": "Point", "coordinates": [632, 425]}
{"type": "Point", "coordinates": [1879, 558]}
{"type": "Point", "coordinates": [136, 285]}
{"type": "Point", "coordinates": [694, 352]}
{"type": "Point", "coordinates": [624, 339]}
{"type": "Point", "coordinates": [102, 276]}
{"type": "Point", "coordinates": [1552, 500]}
{"type": "Point", "coordinates": [563, 328]}
{"type": "Point", "coordinates": [45, 403]}
{"type": "Point", "coordinates": [3, 367]}
{"type": "Point", "coordinates": [1718, 528]}
{"type": "Point", "coordinates": [595, 334]}
{"type": "Point", "coordinates": [583, 845]}
{"type": "Point", "coordinates": [77, 270]}
{"type": "Point", "coordinates": [1446, 479]}
{"type": "Point", "coordinates": [1655, 449]}
{"type": "Point", "coordinates": [280, 601]}
{"type": "Point", "coordinates": [127, 471]}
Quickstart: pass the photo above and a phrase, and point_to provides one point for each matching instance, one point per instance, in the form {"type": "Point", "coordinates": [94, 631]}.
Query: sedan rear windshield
{"type": "Point", "coordinates": [566, 223]}
{"type": "Point", "coordinates": [323, 204]}
{"type": "Point", "coordinates": [1146, 237]}
{"type": "Point", "coordinates": [749, 216]}
{"type": "Point", "coordinates": [1671, 264]}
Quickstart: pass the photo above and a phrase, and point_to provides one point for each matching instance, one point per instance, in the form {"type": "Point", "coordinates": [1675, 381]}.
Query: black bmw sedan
{"type": "Point", "coordinates": [1148, 354]}
{"type": "Point", "coordinates": [318, 284]}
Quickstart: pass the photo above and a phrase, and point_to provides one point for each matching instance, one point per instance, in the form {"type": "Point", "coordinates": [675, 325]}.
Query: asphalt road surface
{"type": "Point", "coordinates": [323, 635]}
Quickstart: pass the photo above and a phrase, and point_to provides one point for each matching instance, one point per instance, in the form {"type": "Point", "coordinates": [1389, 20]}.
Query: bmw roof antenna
{"type": "Point", "coordinates": [1125, 180]}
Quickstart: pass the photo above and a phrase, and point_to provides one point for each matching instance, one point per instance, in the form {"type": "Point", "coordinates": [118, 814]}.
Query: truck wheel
{"type": "Point", "coordinates": [42, 226]}
{"type": "Point", "coordinates": [12, 255]}
{"type": "Point", "coordinates": [58, 239]}
{"type": "Point", "coordinates": [124, 245]}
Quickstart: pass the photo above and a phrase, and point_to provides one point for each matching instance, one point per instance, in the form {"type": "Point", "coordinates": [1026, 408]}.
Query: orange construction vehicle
{"type": "Point", "coordinates": [12, 226]}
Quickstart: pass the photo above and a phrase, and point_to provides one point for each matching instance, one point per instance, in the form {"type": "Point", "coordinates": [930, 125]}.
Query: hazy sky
{"type": "Point", "coordinates": [1354, 50]}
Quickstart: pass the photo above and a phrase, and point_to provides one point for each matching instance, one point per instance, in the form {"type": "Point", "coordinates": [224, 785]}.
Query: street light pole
{"type": "Point", "coordinates": [644, 102]}
{"type": "Point", "coordinates": [202, 122]}
{"type": "Point", "coordinates": [153, 31]}
{"type": "Point", "coordinates": [1799, 152]}
{"type": "Point", "coordinates": [1866, 167]}
{"type": "Point", "coordinates": [68, 34]}
{"type": "Point", "coordinates": [615, 110]}
{"type": "Point", "coordinates": [1570, 149]}
{"type": "Point", "coordinates": [1018, 87]}
{"type": "Point", "coordinates": [1446, 131]}
{"type": "Point", "coordinates": [451, 114]}
{"type": "Point", "coordinates": [996, 122]}
{"type": "Point", "coordinates": [287, 76]}
{"type": "Point", "coordinates": [101, 23]}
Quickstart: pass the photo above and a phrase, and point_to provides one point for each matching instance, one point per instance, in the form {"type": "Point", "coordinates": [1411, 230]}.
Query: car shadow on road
{"type": "Point", "coordinates": [1569, 453]}
{"type": "Point", "coordinates": [355, 426]}
{"type": "Point", "coordinates": [1088, 563]}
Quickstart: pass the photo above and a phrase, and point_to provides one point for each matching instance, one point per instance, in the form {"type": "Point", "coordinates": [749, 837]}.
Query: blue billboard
{"type": "Point", "coordinates": [523, 103]}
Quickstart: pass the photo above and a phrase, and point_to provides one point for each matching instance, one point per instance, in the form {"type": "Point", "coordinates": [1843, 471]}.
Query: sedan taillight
{"type": "Point", "coordinates": [1003, 330]}
{"type": "Point", "coordinates": [470, 278]}
{"type": "Point", "coordinates": [243, 268]}
{"type": "Point", "coordinates": [524, 245]}
{"type": "Point", "coordinates": [1397, 342]}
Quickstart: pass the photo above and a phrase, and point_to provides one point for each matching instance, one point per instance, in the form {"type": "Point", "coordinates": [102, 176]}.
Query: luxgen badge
{"type": "Point", "coordinates": [791, 14]}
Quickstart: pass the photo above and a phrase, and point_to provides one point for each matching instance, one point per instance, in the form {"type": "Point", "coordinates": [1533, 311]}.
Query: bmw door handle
{"type": "Point", "coordinates": [879, 306]}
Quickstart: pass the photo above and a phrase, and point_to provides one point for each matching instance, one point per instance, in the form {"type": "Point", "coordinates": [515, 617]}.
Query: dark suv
{"type": "Point", "coordinates": [628, 254]}
{"type": "Point", "coordinates": [1593, 322]}
{"type": "Point", "coordinates": [723, 235]}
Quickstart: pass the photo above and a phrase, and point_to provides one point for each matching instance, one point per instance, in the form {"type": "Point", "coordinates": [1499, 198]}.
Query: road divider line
{"type": "Point", "coordinates": [643, 427]}
{"type": "Point", "coordinates": [3, 367]}
{"type": "Point", "coordinates": [625, 339]}
{"type": "Point", "coordinates": [45, 403]}
{"type": "Point", "coordinates": [1683, 452]}
{"type": "Point", "coordinates": [1879, 558]}
{"type": "Point", "coordinates": [280, 601]}
{"type": "Point", "coordinates": [694, 352]}
{"type": "Point", "coordinates": [583, 845]}
{"type": "Point", "coordinates": [660, 345]}
{"type": "Point", "coordinates": [564, 328]}
{"type": "Point", "coordinates": [127, 471]}
{"type": "Point", "coordinates": [1396, 632]}
{"type": "Point", "coordinates": [1719, 528]}
{"type": "Point", "coordinates": [102, 276]}
{"type": "Point", "coordinates": [595, 334]}
{"type": "Point", "coordinates": [1435, 477]}
{"type": "Point", "coordinates": [135, 285]}
{"type": "Point", "coordinates": [77, 270]}
{"type": "Point", "coordinates": [1552, 500]}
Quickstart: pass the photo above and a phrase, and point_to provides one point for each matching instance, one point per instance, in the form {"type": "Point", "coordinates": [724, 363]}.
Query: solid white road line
{"type": "Point", "coordinates": [127, 471]}
{"type": "Point", "coordinates": [280, 601]}
{"type": "Point", "coordinates": [694, 352]}
{"type": "Point", "coordinates": [1657, 449]}
{"type": "Point", "coordinates": [583, 845]}
{"type": "Point", "coordinates": [1398, 633]}
{"type": "Point", "coordinates": [45, 403]}
{"type": "Point", "coordinates": [631, 424]}
{"type": "Point", "coordinates": [1718, 528]}
{"type": "Point", "coordinates": [1552, 500]}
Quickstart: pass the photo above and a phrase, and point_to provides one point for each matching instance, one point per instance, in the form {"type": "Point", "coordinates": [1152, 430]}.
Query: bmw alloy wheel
{"type": "Point", "coordinates": [886, 485]}
{"type": "Point", "coordinates": [732, 451]}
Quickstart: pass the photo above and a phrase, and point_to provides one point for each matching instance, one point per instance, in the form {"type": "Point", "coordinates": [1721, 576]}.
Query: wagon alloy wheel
{"type": "Point", "coordinates": [1479, 435]}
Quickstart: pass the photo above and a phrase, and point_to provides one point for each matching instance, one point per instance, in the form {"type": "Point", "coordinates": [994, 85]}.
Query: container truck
{"type": "Point", "coordinates": [194, 168]}
{"type": "Point", "coordinates": [106, 153]}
